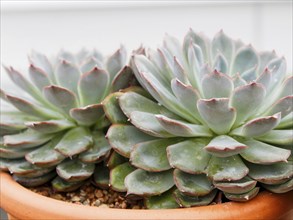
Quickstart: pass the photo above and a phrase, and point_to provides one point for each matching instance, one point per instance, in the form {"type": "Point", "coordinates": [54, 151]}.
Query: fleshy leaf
{"type": "Point", "coordinates": [246, 100]}
{"type": "Point", "coordinates": [123, 79]}
{"type": "Point", "coordinates": [122, 138]}
{"type": "Point", "coordinates": [179, 72]}
{"type": "Point", "coordinates": [241, 186]}
{"type": "Point", "coordinates": [222, 43]}
{"type": "Point", "coordinates": [39, 77]}
{"type": "Point", "coordinates": [286, 122]}
{"type": "Point", "coordinates": [265, 78]}
{"type": "Point", "coordinates": [102, 177]}
{"type": "Point", "coordinates": [238, 81]}
{"type": "Point", "coordinates": [189, 155]}
{"type": "Point", "coordinates": [217, 114]}
{"type": "Point", "coordinates": [34, 181]}
{"type": "Point", "coordinates": [262, 153]}
{"type": "Point", "coordinates": [287, 87]}
{"type": "Point", "coordinates": [148, 123]}
{"type": "Point", "coordinates": [260, 126]}
{"type": "Point", "coordinates": [46, 156]}
{"type": "Point", "coordinates": [51, 126]}
{"type": "Point", "coordinates": [281, 137]}
{"type": "Point", "coordinates": [190, 201]}
{"type": "Point", "coordinates": [224, 146]}
{"type": "Point", "coordinates": [283, 105]}
{"type": "Point", "coordinates": [245, 59]}
{"type": "Point", "coordinates": [250, 75]}
{"type": "Point", "coordinates": [90, 64]}
{"type": "Point", "coordinates": [280, 188]}
{"type": "Point", "coordinates": [115, 159]}
{"type": "Point", "coordinates": [163, 201]}
{"type": "Point", "coordinates": [60, 185]}
{"type": "Point", "coordinates": [87, 115]}
{"type": "Point", "coordinates": [141, 182]}
{"type": "Point", "coordinates": [75, 141]}
{"type": "Point", "coordinates": [220, 64]}
{"type": "Point", "coordinates": [112, 109]}
{"type": "Point", "coordinates": [116, 62]}
{"type": "Point", "coordinates": [187, 96]}
{"type": "Point", "coordinates": [192, 184]}
{"type": "Point", "coordinates": [97, 151]}
{"type": "Point", "coordinates": [61, 98]}
{"type": "Point", "coordinates": [26, 139]}
{"type": "Point", "coordinates": [117, 176]}
{"type": "Point", "coordinates": [242, 197]}
{"type": "Point", "coordinates": [67, 75]}
{"type": "Point", "coordinates": [93, 86]}
{"type": "Point", "coordinates": [27, 169]}
{"type": "Point", "coordinates": [216, 85]}
{"type": "Point", "coordinates": [183, 129]}
{"type": "Point", "coordinates": [226, 168]}
{"type": "Point", "coordinates": [31, 109]}
{"type": "Point", "coordinates": [75, 170]}
{"type": "Point", "coordinates": [12, 152]}
{"type": "Point", "coordinates": [270, 174]}
{"type": "Point", "coordinates": [265, 58]}
{"type": "Point", "coordinates": [151, 155]}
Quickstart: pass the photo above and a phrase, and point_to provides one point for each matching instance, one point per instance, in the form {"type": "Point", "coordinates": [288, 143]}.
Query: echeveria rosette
{"type": "Point", "coordinates": [220, 119]}
{"type": "Point", "coordinates": [59, 125]}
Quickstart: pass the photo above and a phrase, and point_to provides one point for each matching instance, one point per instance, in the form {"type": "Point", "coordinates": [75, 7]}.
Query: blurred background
{"type": "Point", "coordinates": [47, 26]}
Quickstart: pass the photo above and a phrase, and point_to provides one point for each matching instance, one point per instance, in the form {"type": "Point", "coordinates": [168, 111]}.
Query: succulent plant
{"type": "Point", "coordinates": [219, 119]}
{"type": "Point", "coordinates": [58, 125]}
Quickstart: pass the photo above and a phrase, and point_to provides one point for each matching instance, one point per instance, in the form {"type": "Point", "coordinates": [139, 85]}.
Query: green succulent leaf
{"type": "Point", "coordinates": [216, 85]}
{"type": "Point", "coordinates": [67, 75]}
{"type": "Point", "coordinates": [75, 141]}
{"type": "Point", "coordinates": [149, 124]}
{"type": "Point", "coordinates": [224, 146]}
{"type": "Point", "coordinates": [102, 176]}
{"type": "Point", "coordinates": [183, 129]}
{"type": "Point", "coordinates": [90, 64]}
{"type": "Point", "coordinates": [87, 115]}
{"type": "Point", "coordinates": [221, 63]}
{"type": "Point", "coordinates": [27, 169]}
{"type": "Point", "coordinates": [286, 122]}
{"type": "Point", "coordinates": [112, 109]}
{"type": "Point", "coordinates": [141, 182]}
{"type": "Point", "coordinates": [30, 108]}
{"type": "Point", "coordinates": [46, 156]}
{"type": "Point", "coordinates": [280, 188]}
{"type": "Point", "coordinates": [92, 86]}
{"type": "Point", "coordinates": [75, 170]}
{"type": "Point", "coordinates": [96, 152]}
{"type": "Point", "coordinates": [238, 81]}
{"type": "Point", "coordinates": [40, 61]}
{"type": "Point", "coordinates": [26, 139]}
{"type": "Point", "coordinates": [6, 163]}
{"type": "Point", "coordinates": [34, 181]}
{"type": "Point", "coordinates": [280, 137]}
{"type": "Point", "coordinates": [151, 155]}
{"type": "Point", "coordinates": [217, 114]}
{"type": "Point", "coordinates": [190, 201]}
{"type": "Point", "coordinates": [39, 77]}
{"type": "Point", "coordinates": [265, 78]}
{"type": "Point", "coordinates": [245, 58]}
{"type": "Point", "coordinates": [189, 155]}
{"type": "Point", "coordinates": [163, 201]}
{"type": "Point", "coordinates": [192, 184]}
{"type": "Point", "coordinates": [242, 197]}
{"type": "Point", "coordinates": [12, 152]}
{"type": "Point", "coordinates": [224, 44]}
{"type": "Point", "coordinates": [51, 126]}
{"type": "Point", "coordinates": [115, 159]}
{"type": "Point", "coordinates": [60, 97]}
{"type": "Point", "coordinates": [265, 58]}
{"type": "Point", "coordinates": [287, 87]}
{"type": "Point", "coordinates": [61, 185]}
{"type": "Point", "coordinates": [118, 174]}
{"type": "Point", "coordinates": [271, 174]}
{"type": "Point", "coordinates": [123, 79]}
{"type": "Point", "coordinates": [250, 75]}
{"type": "Point", "coordinates": [179, 72]}
{"type": "Point", "coordinates": [226, 168]}
{"type": "Point", "coordinates": [241, 186]}
{"type": "Point", "coordinates": [246, 99]}
{"type": "Point", "coordinates": [122, 138]}
{"type": "Point", "coordinates": [262, 153]}
{"type": "Point", "coordinates": [283, 105]}
{"type": "Point", "coordinates": [116, 62]}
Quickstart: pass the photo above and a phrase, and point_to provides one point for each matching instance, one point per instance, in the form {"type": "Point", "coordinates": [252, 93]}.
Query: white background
{"type": "Point", "coordinates": [47, 26]}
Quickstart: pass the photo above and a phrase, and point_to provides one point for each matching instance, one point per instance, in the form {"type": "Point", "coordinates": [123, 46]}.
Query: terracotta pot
{"type": "Point", "coordinates": [22, 204]}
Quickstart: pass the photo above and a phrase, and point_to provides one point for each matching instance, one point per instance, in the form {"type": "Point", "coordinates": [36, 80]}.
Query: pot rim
{"type": "Point", "coordinates": [34, 206]}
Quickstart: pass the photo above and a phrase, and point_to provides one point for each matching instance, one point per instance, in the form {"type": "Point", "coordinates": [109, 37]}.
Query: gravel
{"type": "Point", "coordinates": [90, 195]}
